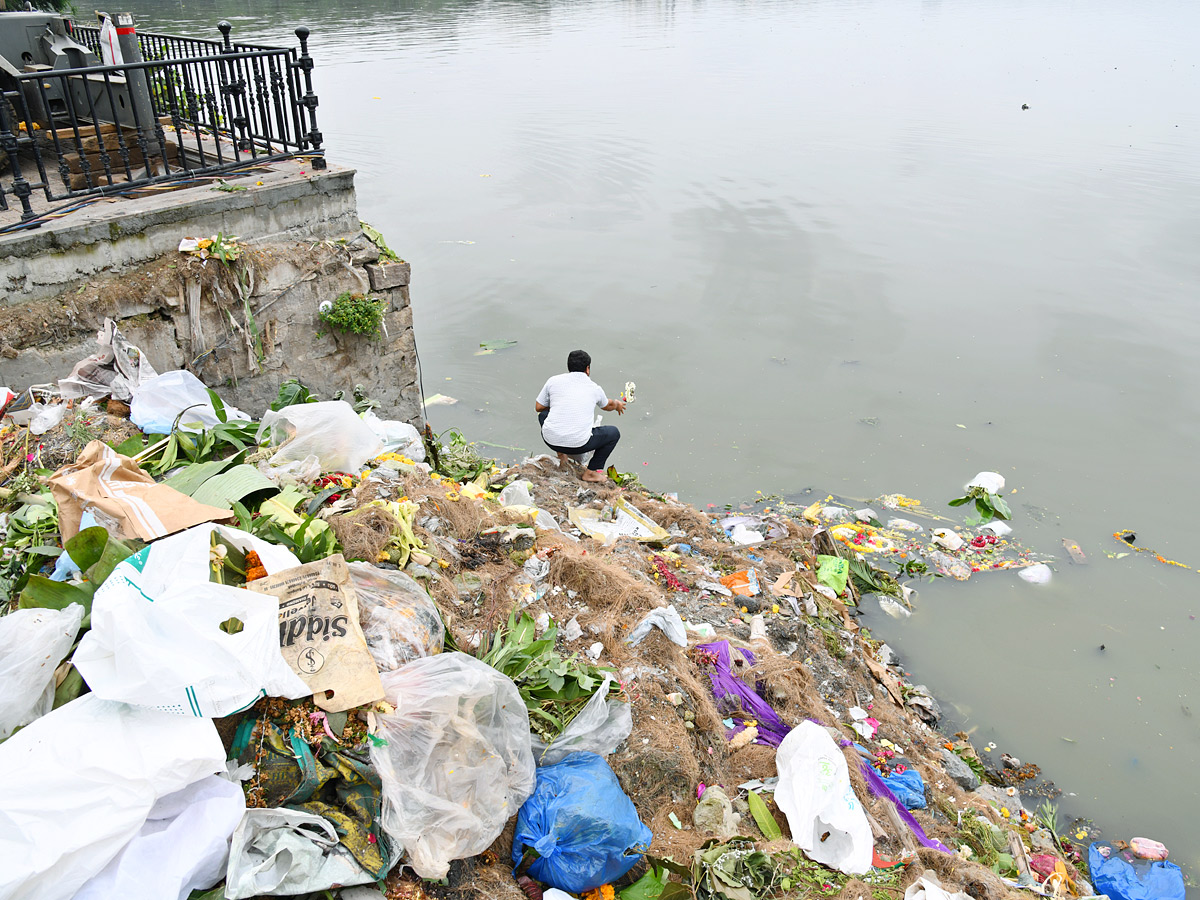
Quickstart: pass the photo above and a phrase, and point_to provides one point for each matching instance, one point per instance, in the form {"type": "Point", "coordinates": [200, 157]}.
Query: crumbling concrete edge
{"type": "Point", "coordinates": [38, 264]}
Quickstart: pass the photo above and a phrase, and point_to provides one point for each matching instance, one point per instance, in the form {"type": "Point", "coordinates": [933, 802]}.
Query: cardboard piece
{"type": "Point", "coordinates": [320, 635]}
{"type": "Point", "coordinates": [123, 498]}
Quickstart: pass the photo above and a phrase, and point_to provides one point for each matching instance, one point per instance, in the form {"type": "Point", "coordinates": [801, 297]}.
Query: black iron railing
{"type": "Point", "coordinates": [212, 107]}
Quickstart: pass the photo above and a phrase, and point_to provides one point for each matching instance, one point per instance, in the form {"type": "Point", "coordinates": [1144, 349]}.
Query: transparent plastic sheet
{"type": "Point", "coordinates": [298, 471]}
{"type": "Point", "coordinates": [329, 430]}
{"type": "Point", "coordinates": [457, 764]}
{"type": "Point", "coordinates": [600, 727]}
{"type": "Point", "coordinates": [32, 644]}
{"type": "Point", "coordinates": [399, 620]}
{"type": "Point", "coordinates": [159, 401]}
{"type": "Point", "coordinates": [398, 437]}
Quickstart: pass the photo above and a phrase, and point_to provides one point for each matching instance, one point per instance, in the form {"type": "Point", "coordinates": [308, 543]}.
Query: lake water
{"type": "Point", "coordinates": [784, 218]}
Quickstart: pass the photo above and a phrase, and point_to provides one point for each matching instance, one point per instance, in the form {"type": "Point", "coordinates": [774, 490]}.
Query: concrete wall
{"type": "Point", "coordinates": [303, 247]}
{"type": "Point", "coordinates": [111, 237]}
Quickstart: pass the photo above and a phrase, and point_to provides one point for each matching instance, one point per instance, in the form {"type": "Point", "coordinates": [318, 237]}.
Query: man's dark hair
{"type": "Point", "coordinates": [578, 361]}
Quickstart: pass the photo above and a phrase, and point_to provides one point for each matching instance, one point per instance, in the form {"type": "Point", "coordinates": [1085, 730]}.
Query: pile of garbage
{"type": "Point", "coordinates": [317, 653]}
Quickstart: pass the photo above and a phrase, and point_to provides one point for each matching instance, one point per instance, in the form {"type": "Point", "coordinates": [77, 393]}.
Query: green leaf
{"type": "Point", "coordinates": [132, 445]}
{"type": "Point", "coordinates": [959, 501]}
{"type": "Point", "coordinates": [648, 887]}
{"type": "Point", "coordinates": [1001, 507]}
{"type": "Point", "coordinates": [87, 546]}
{"type": "Point", "coordinates": [71, 688]}
{"type": "Point", "coordinates": [218, 405]}
{"type": "Point", "coordinates": [763, 818]}
{"type": "Point", "coordinates": [42, 593]}
{"type": "Point", "coordinates": [673, 891]}
{"type": "Point", "coordinates": [115, 553]}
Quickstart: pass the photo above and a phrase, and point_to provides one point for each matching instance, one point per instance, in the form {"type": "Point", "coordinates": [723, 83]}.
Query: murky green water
{"type": "Point", "coordinates": [783, 218]}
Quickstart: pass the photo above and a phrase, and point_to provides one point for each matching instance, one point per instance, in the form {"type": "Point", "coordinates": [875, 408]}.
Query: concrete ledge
{"type": "Point", "coordinates": [112, 237]}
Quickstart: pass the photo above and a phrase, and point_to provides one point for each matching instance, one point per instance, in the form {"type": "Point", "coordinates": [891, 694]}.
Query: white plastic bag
{"type": "Point", "coordinates": [180, 394]}
{"type": "Point", "coordinates": [156, 637]}
{"type": "Point", "coordinates": [600, 727]}
{"type": "Point", "coordinates": [517, 494]}
{"type": "Point", "coordinates": [457, 764]}
{"type": "Point", "coordinates": [82, 780]}
{"type": "Point", "coordinates": [665, 618]}
{"type": "Point", "coordinates": [329, 430]}
{"type": "Point", "coordinates": [398, 437]}
{"type": "Point", "coordinates": [32, 644]}
{"type": "Point", "coordinates": [814, 791]}
{"type": "Point", "coordinates": [927, 887]}
{"type": "Point", "coordinates": [48, 419]}
{"type": "Point", "coordinates": [399, 620]}
{"type": "Point", "coordinates": [1039, 574]}
{"type": "Point", "coordinates": [281, 852]}
{"type": "Point", "coordinates": [183, 845]}
{"type": "Point", "coordinates": [993, 482]}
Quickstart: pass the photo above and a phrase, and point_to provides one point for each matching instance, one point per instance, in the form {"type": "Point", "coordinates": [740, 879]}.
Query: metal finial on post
{"type": "Point", "coordinates": [309, 101]}
{"type": "Point", "coordinates": [224, 27]}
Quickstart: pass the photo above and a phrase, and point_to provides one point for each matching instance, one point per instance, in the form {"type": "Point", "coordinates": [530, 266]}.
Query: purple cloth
{"type": "Point", "coordinates": [879, 789]}
{"type": "Point", "coordinates": [771, 728]}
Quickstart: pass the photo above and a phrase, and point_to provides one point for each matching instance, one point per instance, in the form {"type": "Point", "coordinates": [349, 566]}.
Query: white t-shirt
{"type": "Point", "coordinates": [572, 398]}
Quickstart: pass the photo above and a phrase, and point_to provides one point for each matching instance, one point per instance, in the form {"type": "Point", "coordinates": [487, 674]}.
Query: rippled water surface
{"type": "Point", "coordinates": [784, 218]}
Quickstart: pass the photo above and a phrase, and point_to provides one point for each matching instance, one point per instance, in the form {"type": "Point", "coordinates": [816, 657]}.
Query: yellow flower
{"type": "Point", "coordinates": [452, 495]}
{"type": "Point", "coordinates": [774, 607]}
{"type": "Point", "coordinates": [1004, 811]}
{"type": "Point", "coordinates": [443, 564]}
{"type": "Point", "coordinates": [1080, 835]}
{"type": "Point", "coordinates": [347, 483]}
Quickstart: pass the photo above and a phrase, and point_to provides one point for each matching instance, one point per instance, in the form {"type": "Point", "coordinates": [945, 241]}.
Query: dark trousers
{"type": "Point", "coordinates": [603, 442]}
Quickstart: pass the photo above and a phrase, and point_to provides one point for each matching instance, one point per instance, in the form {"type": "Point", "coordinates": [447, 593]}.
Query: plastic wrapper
{"type": "Point", "coordinates": [585, 829]}
{"type": "Point", "coordinates": [329, 430]}
{"type": "Point", "coordinates": [457, 763]}
{"type": "Point", "coordinates": [282, 852]}
{"type": "Point", "coordinates": [32, 644]}
{"type": "Point", "coordinates": [399, 620]}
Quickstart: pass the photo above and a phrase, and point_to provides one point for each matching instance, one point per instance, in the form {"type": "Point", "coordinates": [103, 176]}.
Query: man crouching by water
{"type": "Point", "coordinates": [565, 408]}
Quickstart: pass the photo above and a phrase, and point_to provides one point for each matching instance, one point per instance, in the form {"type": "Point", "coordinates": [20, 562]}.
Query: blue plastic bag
{"type": "Point", "coordinates": [585, 830]}
{"type": "Point", "coordinates": [909, 788]}
{"type": "Point", "coordinates": [1135, 879]}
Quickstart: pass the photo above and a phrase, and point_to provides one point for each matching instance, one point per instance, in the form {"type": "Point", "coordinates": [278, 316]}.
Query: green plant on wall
{"type": "Point", "coordinates": [355, 313]}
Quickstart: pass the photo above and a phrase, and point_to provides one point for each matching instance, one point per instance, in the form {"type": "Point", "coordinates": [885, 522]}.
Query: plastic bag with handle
{"type": "Point", "coordinates": [157, 637]}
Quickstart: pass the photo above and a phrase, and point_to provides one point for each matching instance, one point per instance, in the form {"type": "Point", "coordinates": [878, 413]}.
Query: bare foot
{"type": "Point", "coordinates": [594, 475]}
{"type": "Point", "coordinates": [563, 460]}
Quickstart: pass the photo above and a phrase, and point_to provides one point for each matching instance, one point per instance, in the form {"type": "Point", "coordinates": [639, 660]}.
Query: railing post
{"type": "Point", "coordinates": [8, 140]}
{"type": "Point", "coordinates": [235, 89]}
{"type": "Point", "coordinates": [309, 100]}
{"type": "Point", "coordinates": [136, 79]}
